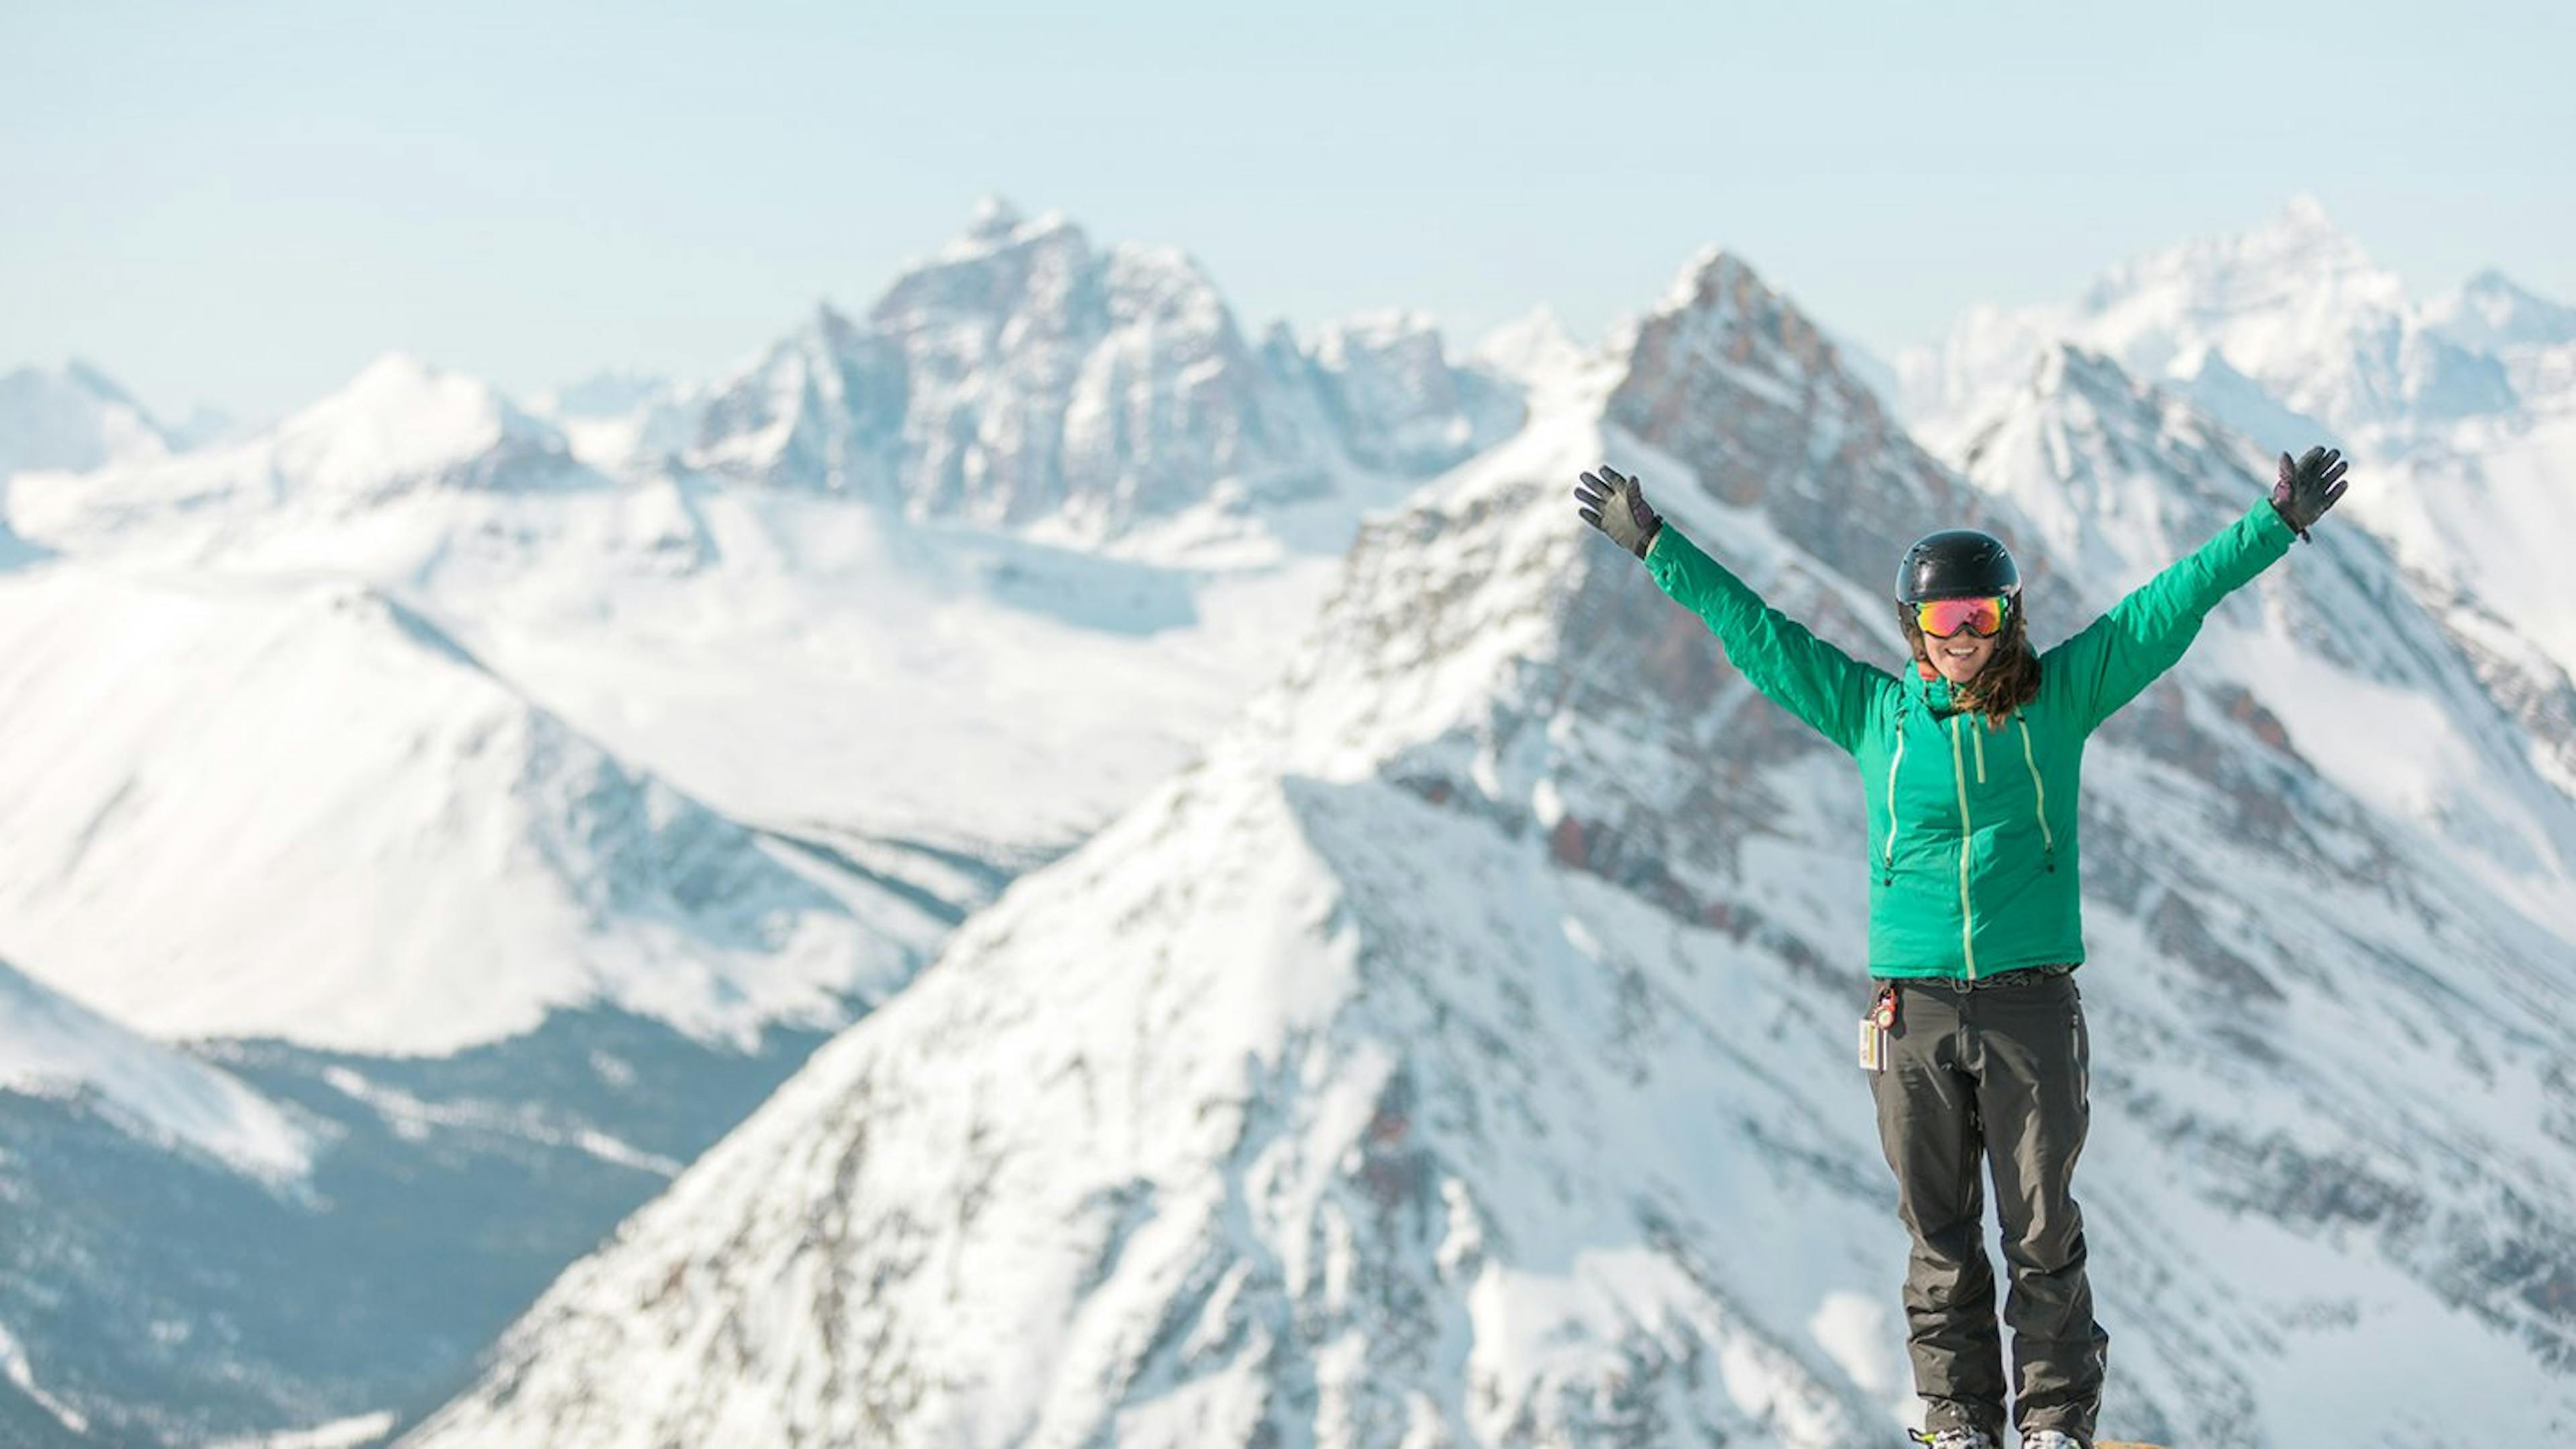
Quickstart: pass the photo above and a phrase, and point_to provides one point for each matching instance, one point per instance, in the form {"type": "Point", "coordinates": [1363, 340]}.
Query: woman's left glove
{"type": "Point", "coordinates": [2307, 488]}
{"type": "Point", "coordinates": [1618, 508]}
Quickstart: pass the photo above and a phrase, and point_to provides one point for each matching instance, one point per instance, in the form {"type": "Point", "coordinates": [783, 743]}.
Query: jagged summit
{"type": "Point", "coordinates": [2303, 212]}
{"type": "Point", "coordinates": [2297, 248]}
{"type": "Point", "coordinates": [2293, 304]}
{"type": "Point", "coordinates": [1026, 378]}
{"type": "Point", "coordinates": [1735, 382]}
{"type": "Point", "coordinates": [995, 224]}
{"type": "Point", "coordinates": [994, 218]}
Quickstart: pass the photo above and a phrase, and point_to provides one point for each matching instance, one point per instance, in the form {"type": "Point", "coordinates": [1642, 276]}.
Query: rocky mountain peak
{"type": "Point", "coordinates": [994, 218]}
{"type": "Point", "coordinates": [1732, 379]}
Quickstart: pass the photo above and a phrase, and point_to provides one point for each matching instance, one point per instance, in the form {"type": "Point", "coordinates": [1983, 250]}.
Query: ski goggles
{"type": "Point", "coordinates": [1982, 616]}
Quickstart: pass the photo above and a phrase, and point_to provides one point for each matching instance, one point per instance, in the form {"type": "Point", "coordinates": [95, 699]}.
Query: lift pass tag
{"type": "Point", "coordinates": [1874, 1028]}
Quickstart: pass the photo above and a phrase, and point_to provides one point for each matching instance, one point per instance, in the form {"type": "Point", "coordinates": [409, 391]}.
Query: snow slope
{"type": "Point", "coordinates": [72, 417]}
{"type": "Point", "coordinates": [302, 811]}
{"type": "Point", "coordinates": [53, 1047]}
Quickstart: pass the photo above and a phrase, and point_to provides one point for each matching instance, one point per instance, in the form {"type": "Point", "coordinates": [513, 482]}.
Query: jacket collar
{"type": "Point", "coordinates": [1933, 695]}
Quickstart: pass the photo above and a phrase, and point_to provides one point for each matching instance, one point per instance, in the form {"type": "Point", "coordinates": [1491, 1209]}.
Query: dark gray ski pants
{"type": "Point", "coordinates": [1997, 1070]}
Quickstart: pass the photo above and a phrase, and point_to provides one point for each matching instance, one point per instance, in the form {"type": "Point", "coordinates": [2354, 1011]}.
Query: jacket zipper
{"type": "Point", "coordinates": [1980, 737]}
{"type": "Point", "coordinates": [1967, 832]}
{"type": "Point", "coordinates": [2038, 791]}
{"type": "Point", "coordinates": [1891, 803]}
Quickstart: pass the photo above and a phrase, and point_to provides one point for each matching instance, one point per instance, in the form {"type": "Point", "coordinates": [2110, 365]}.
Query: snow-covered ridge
{"type": "Point", "coordinates": [53, 1047]}
{"type": "Point", "coordinates": [401, 422]}
{"type": "Point", "coordinates": [2295, 304]}
{"type": "Point", "coordinates": [396, 432]}
{"type": "Point", "coordinates": [1391, 394]}
{"type": "Point", "coordinates": [2492, 313]}
{"type": "Point", "coordinates": [1534, 349]}
{"type": "Point", "coordinates": [305, 812]}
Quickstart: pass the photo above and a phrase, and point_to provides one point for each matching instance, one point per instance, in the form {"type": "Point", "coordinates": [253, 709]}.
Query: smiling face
{"type": "Point", "coordinates": [1997, 674]}
{"type": "Point", "coordinates": [1960, 656]}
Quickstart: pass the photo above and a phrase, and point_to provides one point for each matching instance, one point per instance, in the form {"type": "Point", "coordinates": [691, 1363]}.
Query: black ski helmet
{"type": "Point", "coordinates": [1955, 563]}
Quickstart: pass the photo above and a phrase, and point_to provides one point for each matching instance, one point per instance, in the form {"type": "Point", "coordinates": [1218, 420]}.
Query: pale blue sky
{"type": "Point", "coordinates": [241, 204]}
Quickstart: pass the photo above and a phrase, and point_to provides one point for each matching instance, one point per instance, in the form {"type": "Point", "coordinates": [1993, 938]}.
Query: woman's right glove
{"type": "Point", "coordinates": [2307, 488]}
{"type": "Point", "coordinates": [1618, 508]}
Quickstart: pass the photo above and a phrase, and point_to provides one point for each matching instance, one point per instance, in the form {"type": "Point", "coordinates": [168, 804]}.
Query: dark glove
{"type": "Point", "coordinates": [1618, 508]}
{"type": "Point", "coordinates": [2307, 488]}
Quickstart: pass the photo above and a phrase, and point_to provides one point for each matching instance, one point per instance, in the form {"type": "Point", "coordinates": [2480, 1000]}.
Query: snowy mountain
{"type": "Point", "coordinates": [739, 613]}
{"type": "Point", "coordinates": [2295, 305]}
{"type": "Point", "coordinates": [307, 814]}
{"type": "Point", "coordinates": [594, 696]}
{"type": "Point", "coordinates": [1020, 374]}
{"type": "Point", "coordinates": [298, 1238]}
{"type": "Point", "coordinates": [452, 984]}
{"type": "Point", "coordinates": [374, 465]}
{"type": "Point", "coordinates": [72, 417]}
{"type": "Point", "coordinates": [2532, 337]}
{"type": "Point", "coordinates": [1385, 383]}
{"type": "Point", "coordinates": [74, 1085]}
{"type": "Point", "coordinates": [2464, 408]}
{"type": "Point", "coordinates": [516, 803]}
{"type": "Point", "coordinates": [2491, 313]}
{"type": "Point", "coordinates": [1026, 378]}
{"type": "Point", "coordinates": [621, 422]}
{"type": "Point", "coordinates": [505, 799]}
{"type": "Point", "coordinates": [51, 1047]}
{"type": "Point", "coordinates": [1458, 1052]}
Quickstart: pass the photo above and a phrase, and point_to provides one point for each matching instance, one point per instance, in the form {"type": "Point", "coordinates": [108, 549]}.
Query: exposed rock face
{"type": "Point", "coordinates": [1025, 374]}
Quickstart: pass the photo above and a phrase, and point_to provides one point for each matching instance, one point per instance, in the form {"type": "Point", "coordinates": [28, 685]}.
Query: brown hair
{"type": "Point", "coordinates": [2010, 678]}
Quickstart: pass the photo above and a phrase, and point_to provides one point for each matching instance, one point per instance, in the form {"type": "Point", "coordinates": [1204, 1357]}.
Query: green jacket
{"type": "Point", "coordinates": [1973, 867]}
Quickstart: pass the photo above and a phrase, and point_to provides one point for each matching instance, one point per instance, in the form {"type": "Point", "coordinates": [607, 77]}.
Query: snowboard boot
{"type": "Point", "coordinates": [1955, 1439]}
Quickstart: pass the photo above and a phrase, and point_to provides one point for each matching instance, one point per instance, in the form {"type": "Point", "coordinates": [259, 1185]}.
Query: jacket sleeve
{"type": "Point", "coordinates": [1820, 684]}
{"type": "Point", "coordinates": [2145, 634]}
